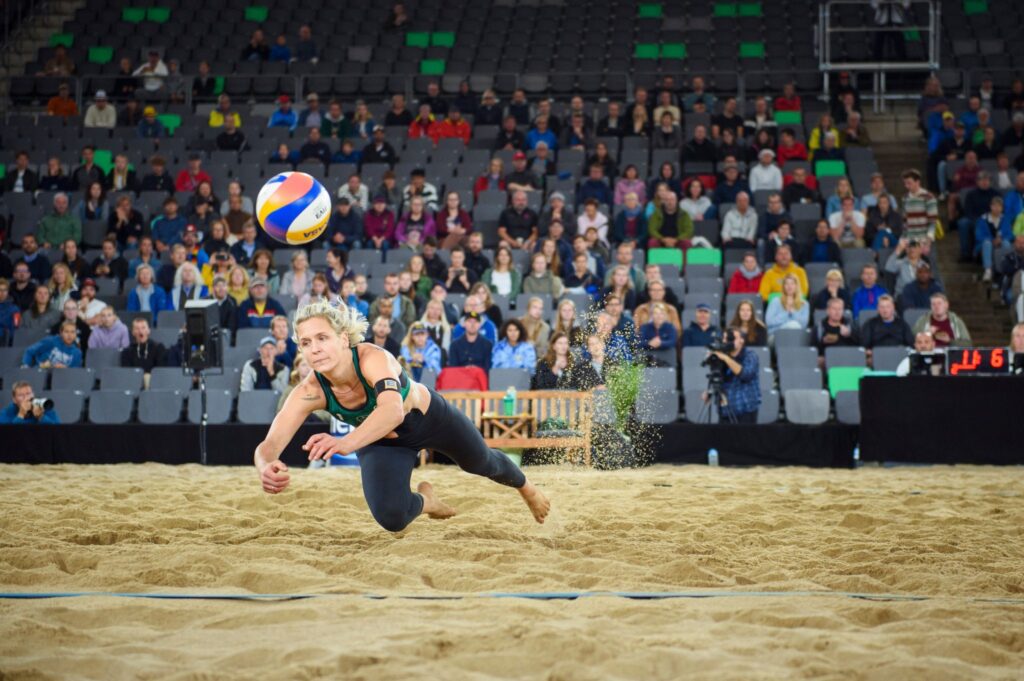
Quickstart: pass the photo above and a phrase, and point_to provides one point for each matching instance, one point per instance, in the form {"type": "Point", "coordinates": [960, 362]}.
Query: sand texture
{"type": "Point", "coordinates": [954, 535]}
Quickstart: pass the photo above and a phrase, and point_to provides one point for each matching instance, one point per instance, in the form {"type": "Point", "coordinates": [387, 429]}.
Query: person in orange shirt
{"type": "Point", "coordinates": [424, 125]}
{"type": "Point", "coordinates": [454, 126]}
{"type": "Point", "coordinates": [62, 104]}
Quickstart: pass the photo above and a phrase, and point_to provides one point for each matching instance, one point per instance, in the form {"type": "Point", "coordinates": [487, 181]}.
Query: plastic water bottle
{"type": "Point", "coordinates": [856, 456]}
{"type": "Point", "coordinates": [509, 403]}
{"type": "Point", "coordinates": [712, 457]}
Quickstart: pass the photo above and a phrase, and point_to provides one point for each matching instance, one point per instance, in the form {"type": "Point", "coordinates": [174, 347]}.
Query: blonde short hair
{"type": "Point", "coordinates": [342, 318]}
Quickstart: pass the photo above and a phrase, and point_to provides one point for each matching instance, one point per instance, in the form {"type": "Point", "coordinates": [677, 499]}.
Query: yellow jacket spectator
{"type": "Point", "coordinates": [771, 282]}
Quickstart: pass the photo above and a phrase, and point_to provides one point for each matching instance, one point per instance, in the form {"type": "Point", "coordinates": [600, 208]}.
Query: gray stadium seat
{"type": "Point", "coordinates": [657, 406]}
{"type": "Point", "coordinates": [10, 358]}
{"type": "Point", "coordinates": [169, 378]}
{"type": "Point", "coordinates": [218, 406]}
{"type": "Point", "coordinates": [37, 378]}
{"type": "Point", "coordinates": [174, 319]}
{"type": "Point", "coordinates": [659, 378]}
{"type": "Point", "coordinates": [809, 407]}
{"type": "Point", "coordinates": [249, 338]}
{"type": "Point", "coordinates": [110, 406]}
{"type": "Point", "coordinates": [128, 379]}
{"type": "Point", "coordinates": [257, 406]}
{"type": "Point", "coordinates": [68, 404]}
{"type": "Point", "coordinates": [428, 378]}
{"type": "Point", "coordinates": [792, 338]}
{"type": "Point", "coordinates": [160, 406]}
{"type": "Point", "coordinates": [848, 407]}
{"type": "Point", "coordinates": [888, 358]}
{"type": "Point", "coordinates": [800, 379]}
{"type": "Point", "coordinates": [769, 409]}
{"type": "Point", "coordinates": [502, 379]}
{"type": "Point", "coordinates": [98, 358]}
{"type": "Point", "coordinates": [845, 357]}
{"type": "Point", "coordinates": [80, 379]}
{"type": "Point", "coordinates": [796, 358]}
{"type": "Point", "coordinates": [229, 380]}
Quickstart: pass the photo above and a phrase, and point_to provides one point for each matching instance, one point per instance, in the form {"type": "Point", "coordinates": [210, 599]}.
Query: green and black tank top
{"type": "Point", "coordinates": [355, 417]}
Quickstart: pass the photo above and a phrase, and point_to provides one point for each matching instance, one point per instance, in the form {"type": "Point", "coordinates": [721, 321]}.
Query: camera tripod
{"type": "Point", "coordinates": [716, 399]}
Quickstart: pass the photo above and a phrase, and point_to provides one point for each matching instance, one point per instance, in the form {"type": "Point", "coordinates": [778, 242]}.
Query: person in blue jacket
{"type": "Point", "coordinates": [993, 230]}
{"type": "Point", "coordinates": [514, 351]}
{"type": "Point", "coordinates": [419, 351]}
{"type": "Point", "coordinates": [55, 352]}
{"type": "Point", "coordinates": [659, 333]}
{"type": "Point", "coordinates": [22, 411]}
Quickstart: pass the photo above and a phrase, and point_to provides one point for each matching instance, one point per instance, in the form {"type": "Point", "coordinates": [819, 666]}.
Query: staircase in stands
{"type": "Point", "coordinates": [898, 145]}
{"type": "Point", "coordinates": [34, 33]}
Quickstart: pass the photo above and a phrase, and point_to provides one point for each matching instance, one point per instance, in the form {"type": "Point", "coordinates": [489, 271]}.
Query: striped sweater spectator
{"type": "Point", "coordinates": [920, 209]}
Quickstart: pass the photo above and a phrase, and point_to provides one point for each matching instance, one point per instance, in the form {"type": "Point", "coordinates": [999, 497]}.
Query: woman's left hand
{"type": "Point", "coordinates": [322, 445]}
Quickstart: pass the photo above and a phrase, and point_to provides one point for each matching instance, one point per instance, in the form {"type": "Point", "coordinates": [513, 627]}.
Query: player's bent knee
{"type": "Point", "coordinates": [392, 519]}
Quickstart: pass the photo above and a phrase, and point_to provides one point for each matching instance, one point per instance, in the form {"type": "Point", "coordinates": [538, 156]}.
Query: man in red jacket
{"type": "Point", "coordinates": [192, 176]}
{"type": "Point", "coordinates": [424, 125]}
{"type": "Point", "coordinates": [454, 127]}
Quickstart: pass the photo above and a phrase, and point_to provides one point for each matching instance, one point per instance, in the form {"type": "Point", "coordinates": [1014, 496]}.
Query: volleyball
{"type": "Point", "coordinates": [293, 208]}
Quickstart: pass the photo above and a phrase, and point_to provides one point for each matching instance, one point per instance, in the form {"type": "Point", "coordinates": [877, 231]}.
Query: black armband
{"type": "Point", "coordinates": [386, 384]}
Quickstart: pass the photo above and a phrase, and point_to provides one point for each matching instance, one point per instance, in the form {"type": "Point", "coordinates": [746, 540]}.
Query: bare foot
{"type": "Point", "coordinates": [535, 499]}
{"type": "Point", "coordinates": [432, 506]}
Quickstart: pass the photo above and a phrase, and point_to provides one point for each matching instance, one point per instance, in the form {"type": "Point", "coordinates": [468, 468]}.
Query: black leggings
{"type": "Point", "coordinates": [386, 465]}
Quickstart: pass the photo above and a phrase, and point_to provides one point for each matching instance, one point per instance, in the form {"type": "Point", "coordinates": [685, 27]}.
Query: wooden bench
{"type": "Point", "coordinates": [534, 406]}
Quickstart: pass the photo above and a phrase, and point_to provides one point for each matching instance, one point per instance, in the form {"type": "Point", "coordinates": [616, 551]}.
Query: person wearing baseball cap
{"type": "Point", "coordinates": [150, 126]}
{"type": "Point", "coordinates": [701, 331]}
{"type": "Point", "coordinates": [522, 178]}
{"type": "Point", "coordinates": [100, 114]}
{"type": "Point", "coordinates": [284, 116]}
{"type": "Point", "coordinates": [264, 372]}
{"type": "Point", "coordinates": [379, 150]}
{"type": "Point", "coordinates": [62, 104]}
{"type": "Point", "coordinates": [259, 309]}
{"type": "Point", "coordinates": [311, 116]}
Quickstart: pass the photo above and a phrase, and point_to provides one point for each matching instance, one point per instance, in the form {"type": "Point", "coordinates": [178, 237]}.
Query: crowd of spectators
{"type": "Point", "coordinates": [579, 252]}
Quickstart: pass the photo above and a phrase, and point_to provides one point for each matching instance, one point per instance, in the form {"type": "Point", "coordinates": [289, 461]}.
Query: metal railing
{"type": "Point", "coordinates": [828, 29]}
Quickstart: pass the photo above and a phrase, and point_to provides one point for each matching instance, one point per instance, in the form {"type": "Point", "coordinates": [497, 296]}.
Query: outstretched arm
{"type": "Point", "coordinates": [388, 415]}
{"type": "Point", "coordinates": [303, 400]}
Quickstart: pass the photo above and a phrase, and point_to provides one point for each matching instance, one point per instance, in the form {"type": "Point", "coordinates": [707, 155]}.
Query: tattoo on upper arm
{"type": "Point", "coordinates": [311, 396]}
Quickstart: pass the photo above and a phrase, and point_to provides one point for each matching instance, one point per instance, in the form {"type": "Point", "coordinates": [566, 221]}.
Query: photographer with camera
{"type": "Point", "coordinates": [733, 378]}
{"type": "Point", "coordinates": [26, 408]}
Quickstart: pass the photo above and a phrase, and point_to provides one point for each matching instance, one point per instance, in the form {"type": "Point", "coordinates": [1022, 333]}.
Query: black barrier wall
{"type": "Point", "coordinates": [233, 445]}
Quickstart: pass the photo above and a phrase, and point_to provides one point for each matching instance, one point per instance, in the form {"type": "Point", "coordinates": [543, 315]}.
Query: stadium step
{"type": "Point", "coordinates": [898, 146]}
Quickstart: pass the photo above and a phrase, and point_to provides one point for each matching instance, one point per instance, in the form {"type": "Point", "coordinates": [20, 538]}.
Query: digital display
{"type": "Point", "coordinates": [978, 361]}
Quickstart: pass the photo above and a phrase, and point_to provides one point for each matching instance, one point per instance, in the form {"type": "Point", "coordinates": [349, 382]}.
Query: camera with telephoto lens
{"type": "Point", "coordinates": [714, 363]}
{"type": "Point", "coordinates": [44, 403]}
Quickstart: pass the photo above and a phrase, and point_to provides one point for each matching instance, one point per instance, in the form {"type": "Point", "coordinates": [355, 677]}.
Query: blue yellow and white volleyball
{"type": "Point", "coordinates": [293, 208]}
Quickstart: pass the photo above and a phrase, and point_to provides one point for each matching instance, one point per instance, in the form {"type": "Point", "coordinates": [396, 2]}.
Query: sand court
{"type": "Point", "coordinates": [799, 540]}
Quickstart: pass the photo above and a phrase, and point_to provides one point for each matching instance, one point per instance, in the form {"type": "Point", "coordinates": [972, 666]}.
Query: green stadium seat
{"type": "Point", "coordinates": [789, 117]}
{"type": "Point", "coordinates": [830, 168]}
{"type": "Point", "coordinates": [158, 15]}
{"type": "Point", "coordinates": [171, 122]}
{"type": "Point", "coordinates": [725, 9]}
{"type": "Point", "coordinates": [844, 378]}
{"type": "Point", "coordinates": [704, 256]}
{"type": "Point", "coordinates": [432, 67]}
{"type": "Point", "coordinates": [673, 51]}
{"type": "Point", "coordinates": [417, 39]}
{"type": "Point", "coordinates": [750, 9]}
{"type": "Point", "coordinates": [218, 85]}
{"type": "Point", "coordinates": [646, 51]}
{"type": "Point", "coordinates": [649, 10]}
{"type": "Point", "coordinates": [257, 13]}
{"type": "Point", "coordinates": [133, 15]}
{"type": "Point", "coordinates": [104, 158]}
{"type": "Point", "coordinates": [972, 7]}
{"type": "Point", "coordinates": [913, 36]}
{"type": "Point", "coordinates": [3, 171]}
{"type": "Point", "coordinates": [665, 256]}
{"type": "Point", "coordinates": [442, 39]}
{"type": "Point", "coordinates": [752, 50]}
{"type": "Point", "coordinates": [65, 39]}
{"type": "Point", "coordinates": [101, 54]}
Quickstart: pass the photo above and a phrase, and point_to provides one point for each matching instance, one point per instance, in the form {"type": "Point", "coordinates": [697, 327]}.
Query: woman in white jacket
{"type": "Point", "coordinates": [765, 175]}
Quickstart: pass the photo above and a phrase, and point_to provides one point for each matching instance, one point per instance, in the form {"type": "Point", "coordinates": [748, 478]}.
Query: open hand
{"type": "Point", "coordinates": [274, 477]}
{"type": "Point", "coordinates": [321, 446]}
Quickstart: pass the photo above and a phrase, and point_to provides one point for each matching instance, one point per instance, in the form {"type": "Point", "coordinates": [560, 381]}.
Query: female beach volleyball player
{"type": "Point", "coordinates": [393, 417]}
